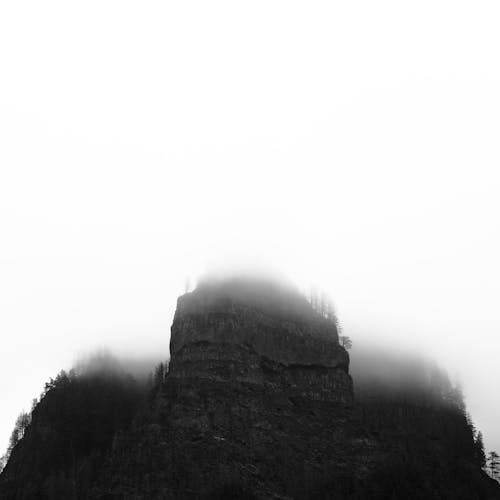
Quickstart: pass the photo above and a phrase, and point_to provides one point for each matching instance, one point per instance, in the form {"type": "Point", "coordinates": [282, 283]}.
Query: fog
{"type": "Point", "coordinates": [103, 362]}
{"type": "Point", "coordinates": [353, 146]}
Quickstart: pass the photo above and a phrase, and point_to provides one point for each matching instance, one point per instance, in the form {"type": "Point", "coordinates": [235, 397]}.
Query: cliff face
{"type": "Point", "coordinates": [255, 378]}
{"type": "Point", "coordinates": [220, 336]}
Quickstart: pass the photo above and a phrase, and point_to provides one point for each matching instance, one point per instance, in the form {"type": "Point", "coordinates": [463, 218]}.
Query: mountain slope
{"type": "Point", "coordinates": [257, 402]}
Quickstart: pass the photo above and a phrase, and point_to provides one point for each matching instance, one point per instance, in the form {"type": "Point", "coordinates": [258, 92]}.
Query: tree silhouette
{"type": "Point", "coordinates": [479, 449]}
{"type": "Point", "coordinates": [493, 464]}
{"type": "Point", "coordinates": [345, 341]}
{"type": "Point", "coordinates": [159, 374]}
{"type": "Point", "coordinates": [323, 304]}
{"type": "Point", "coordinates": [22, 423]}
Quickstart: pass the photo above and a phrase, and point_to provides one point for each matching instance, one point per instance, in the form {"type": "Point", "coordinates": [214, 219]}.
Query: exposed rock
{"type": "Point", "coordinates": [257, 336]}
{"type": "Point", "coordinates": [257, 395]}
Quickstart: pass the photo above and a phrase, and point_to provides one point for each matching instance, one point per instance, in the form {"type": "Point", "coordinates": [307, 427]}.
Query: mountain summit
{"type": "Point", "coordinates": [257, 403]}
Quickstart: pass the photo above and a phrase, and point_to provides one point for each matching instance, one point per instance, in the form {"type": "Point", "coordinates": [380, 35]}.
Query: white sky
{"type": "Point", "coordinates": [355, 144]}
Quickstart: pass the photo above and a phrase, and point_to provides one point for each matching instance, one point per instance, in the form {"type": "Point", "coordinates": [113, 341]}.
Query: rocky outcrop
{"type": "Point", "coordinates": [256, 377]}
{"type": "Point", "coordinates": [259, 334]}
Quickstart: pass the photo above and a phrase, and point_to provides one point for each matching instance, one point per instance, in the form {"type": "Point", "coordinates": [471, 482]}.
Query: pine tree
{"type": "Point", "coordinates": [493, 464]}
{"type": "Point", "coordinates": [159, 374]}
{"type": "Point", "coordinates": [479, 450]}
{"type": "Point", "coordinates": [345, 341]}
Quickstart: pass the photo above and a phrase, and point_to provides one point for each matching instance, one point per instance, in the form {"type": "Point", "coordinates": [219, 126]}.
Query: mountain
{"type": "Point", "coordinates": [257, 402]}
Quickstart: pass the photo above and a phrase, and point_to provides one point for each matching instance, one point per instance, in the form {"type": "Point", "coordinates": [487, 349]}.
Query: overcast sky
{"type": "Point", "coordinates": [353, 144]}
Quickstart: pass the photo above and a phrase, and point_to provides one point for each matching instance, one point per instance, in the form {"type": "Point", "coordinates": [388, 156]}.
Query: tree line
{"type": "Point", "coordinates": [322, 303]}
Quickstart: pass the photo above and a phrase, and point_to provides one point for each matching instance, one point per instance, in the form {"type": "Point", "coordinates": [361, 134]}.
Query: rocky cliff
{"type": "Point", "coordinates": [261, 335]}
{"type": "Point", "coordinates": [256, 377]}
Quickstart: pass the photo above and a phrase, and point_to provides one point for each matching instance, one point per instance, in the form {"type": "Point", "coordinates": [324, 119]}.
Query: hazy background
{"type": "Point", "coordinates": [353, 144]}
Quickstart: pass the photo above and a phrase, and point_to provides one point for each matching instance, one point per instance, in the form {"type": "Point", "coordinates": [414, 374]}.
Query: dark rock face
{"type": "Point", "coordinates": [253, 383]}
{"type": "Point", "coordinates": [222, 338]}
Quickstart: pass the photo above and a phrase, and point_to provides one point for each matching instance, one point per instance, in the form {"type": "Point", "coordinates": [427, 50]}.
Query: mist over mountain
{"type": "Point", "coordinates": [353, 145]}
{"type": "Point", "coordinates": [259, 399]}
